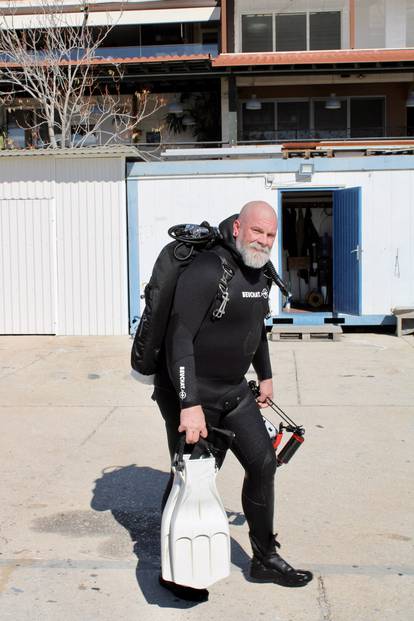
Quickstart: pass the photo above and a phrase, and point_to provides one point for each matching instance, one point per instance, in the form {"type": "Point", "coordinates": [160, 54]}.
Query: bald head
{"type": "Point", "coordinates": [254, 210]}
{"type": "Point", "coordinates": [255, 232]}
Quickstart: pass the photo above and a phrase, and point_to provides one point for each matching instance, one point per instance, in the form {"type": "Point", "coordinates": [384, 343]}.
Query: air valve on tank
{"type": "Point", "coordinates": [276, 435]}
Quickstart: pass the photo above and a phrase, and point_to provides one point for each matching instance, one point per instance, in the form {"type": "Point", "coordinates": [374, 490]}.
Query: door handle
{"type": "Point", "coordinates": [358, 251]}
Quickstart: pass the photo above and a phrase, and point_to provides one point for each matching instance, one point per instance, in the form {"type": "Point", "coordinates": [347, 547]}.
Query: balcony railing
{"type": "Point", "coordinates": [154, 51]}
{"type": "Point", "coordinates": [19, 138]}
{"type": "Point", "coordinates": [351, 133]}
{"type": "Point", "coordinates": [130, 51]}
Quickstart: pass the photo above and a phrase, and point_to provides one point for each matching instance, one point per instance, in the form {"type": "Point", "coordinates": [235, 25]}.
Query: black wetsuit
{"type": "Point", "coordinates": [205, 363]}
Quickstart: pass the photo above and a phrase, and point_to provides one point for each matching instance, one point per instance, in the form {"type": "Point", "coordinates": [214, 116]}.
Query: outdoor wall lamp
{"type": "Point", "coordinates": [332, 103]}
{"type": "Point", "coordinates": [306, 170]}
{"type": "Point", "coordinates": [253, 103]}
{"type": "Point", "coordinates": [410, 99]}
{"type": "Point", "coordinates": [188, 120]}
{"type": "Point", "coordinates": [175, 107]}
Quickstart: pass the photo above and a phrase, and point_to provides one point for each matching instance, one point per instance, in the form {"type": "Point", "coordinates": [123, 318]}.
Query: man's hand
{"type": "Point", "coordinates": [192, 421]}
{"type": "Point", "coordinates": [266, 392]}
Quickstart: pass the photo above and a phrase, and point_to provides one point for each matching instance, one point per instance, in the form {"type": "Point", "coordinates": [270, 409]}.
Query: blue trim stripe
{"type": "Point", "coordinates": [318, 319]}
{"type": "Point", "coordinates": [270, 166]}
{"type": "Point", "coordinates": [280, 241]}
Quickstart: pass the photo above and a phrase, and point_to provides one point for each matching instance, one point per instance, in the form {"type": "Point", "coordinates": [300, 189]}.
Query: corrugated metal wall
{"type": "Point", "coordinates": [27, 177]}
{"type": "Point", "coordinates": [92, 285]}
{"type": "Point", "coordinates": [27, 252]}
{"type": "Point", "coordinates": [27, 267]}
{"type": "Point", "coordinates": [63, 255]}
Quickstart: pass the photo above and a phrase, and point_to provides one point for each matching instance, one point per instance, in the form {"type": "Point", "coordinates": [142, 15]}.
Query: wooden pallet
{"type": "Point", "coordinates": [405, 320]}
{"type": "Point", "coordinates": [292, 331]}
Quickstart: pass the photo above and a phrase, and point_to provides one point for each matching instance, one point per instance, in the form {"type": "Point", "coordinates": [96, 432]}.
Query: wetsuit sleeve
{"type": "Point", "coordinates": [196, 289]}
{"type": "Point", "coordinates": [261, 359]}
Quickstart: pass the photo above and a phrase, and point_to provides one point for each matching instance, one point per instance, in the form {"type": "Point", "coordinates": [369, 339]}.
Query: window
{"type": "Point", "coordinates": [257, 35]}
{"type": "Point", "coordinates": [259, 124]}
{"type": "Point", "coordinates": [20, 124]}
{"type": "Point", "coordinates": [153, 137]}
{"type": "Point", "coordinates": [362, 117]}
{"type": "Point", "coordinates": [284, 32]}
{"type": "Point", "coordinates": [410, 121]}
{"type": "Point", "coordinates": [293, 120]}
{"type": "Point", "coordinates": [290, 32]}
{"type": "Point", "coordinates": [325, 31]}
{"type": "Point", "coordinates": [367, 117]}
{"type": "Point", "coordinates": [330, 123]}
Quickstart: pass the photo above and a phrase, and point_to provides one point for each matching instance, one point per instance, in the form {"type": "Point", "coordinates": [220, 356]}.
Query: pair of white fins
{"type": "Point", "coordinates": [195, 537]}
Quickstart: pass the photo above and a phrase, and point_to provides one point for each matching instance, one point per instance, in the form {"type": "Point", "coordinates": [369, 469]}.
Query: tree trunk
{"type": "Point", "coordinates": [51, 132]}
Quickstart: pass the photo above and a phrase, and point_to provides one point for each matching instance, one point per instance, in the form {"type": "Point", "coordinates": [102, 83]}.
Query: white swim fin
{"type": "Point", "coordinates": [195, 537]}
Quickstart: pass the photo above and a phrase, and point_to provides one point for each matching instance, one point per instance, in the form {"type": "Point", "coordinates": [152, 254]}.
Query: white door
{"type": "Point", "coordinates": [27, 266]}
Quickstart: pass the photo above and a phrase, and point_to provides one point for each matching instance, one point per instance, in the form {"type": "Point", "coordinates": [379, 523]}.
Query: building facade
{"type": "Point", "coordinates": [316, 70]}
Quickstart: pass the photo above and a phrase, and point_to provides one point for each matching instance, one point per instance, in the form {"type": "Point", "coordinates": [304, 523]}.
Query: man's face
{"type": "Point", "coordinates": [255, 236]}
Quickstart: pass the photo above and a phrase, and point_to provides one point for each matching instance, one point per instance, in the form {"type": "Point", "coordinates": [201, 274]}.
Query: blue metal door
{"type": "Point", "coordinates": [347, 251]}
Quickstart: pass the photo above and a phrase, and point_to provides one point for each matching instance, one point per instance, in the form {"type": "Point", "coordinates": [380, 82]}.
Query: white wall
{"type": "Point", "coordinates": [63, 245]}
{"type": "Point", "coordinates": [387, 222]}
{"type": "Point", "coordinates": [378, 23]}
{"type": "Point", "coordinates": [118, 16]}
{"type": "Point", "coordinates": [384, 23]}
{"type": "Point", "coordinates": [27, 246]}
{"type": "Point", "coordinates": [30, 177]}
{"type": "Point", "coordinates": [165, 202]}
{"type": "Point", "coordinates": [387, 234]}
{"type": "Point", "coordinates": [27, 266]}
{"type": "Point", "coordinates": [409, 23]}
{"type": "Point", "coordinates": [395, 23]}
{"type": "Point", "coordinates": [295, 6]}
{"type": "Point", "coordinates": [92, 287]}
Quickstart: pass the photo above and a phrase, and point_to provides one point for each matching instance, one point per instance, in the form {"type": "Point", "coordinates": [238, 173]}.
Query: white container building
{"type": "Point", "coordinates": [362, 209]}
{"type": "Point", "coordinates": [80, 232]}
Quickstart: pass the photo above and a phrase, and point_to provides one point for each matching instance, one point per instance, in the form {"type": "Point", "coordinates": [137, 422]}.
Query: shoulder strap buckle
{"type": "Point", "coordinates": [223, 290]}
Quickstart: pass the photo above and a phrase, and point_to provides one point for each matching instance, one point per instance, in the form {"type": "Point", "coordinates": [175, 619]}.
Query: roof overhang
{"type": "Point", "coordinates": [93, 151]}
{"type": "Point", "coordinates": [223, 152]}
{"type": "Point", "coordinates": [331, 61]}
{"type": "Point", "coordinates": [30, 15]}
{"type": "Point", "coordinates": [154, 67]}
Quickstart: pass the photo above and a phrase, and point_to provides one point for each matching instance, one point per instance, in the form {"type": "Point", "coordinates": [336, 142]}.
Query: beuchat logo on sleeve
{"type": "Point", "coordinates": [182, 394]}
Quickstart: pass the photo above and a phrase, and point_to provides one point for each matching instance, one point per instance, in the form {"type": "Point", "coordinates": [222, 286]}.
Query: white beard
{"type": "Point", "coordinates": [253, 254]}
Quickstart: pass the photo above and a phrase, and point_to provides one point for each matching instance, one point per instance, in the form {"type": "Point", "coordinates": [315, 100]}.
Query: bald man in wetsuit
{"type": "Point", "coordinates": [202, 378]}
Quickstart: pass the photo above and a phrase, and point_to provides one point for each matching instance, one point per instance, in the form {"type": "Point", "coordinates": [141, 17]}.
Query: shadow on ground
{"type": "Point", "coordinates": [133, 495]}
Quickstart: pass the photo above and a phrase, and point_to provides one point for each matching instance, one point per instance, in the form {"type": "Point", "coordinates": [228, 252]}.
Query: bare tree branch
{"type": "Point", "coordinates": [53, 65]}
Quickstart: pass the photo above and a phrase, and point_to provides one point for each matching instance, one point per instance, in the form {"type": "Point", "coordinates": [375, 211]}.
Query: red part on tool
{"type": "Point", "coordinates": [277, 440]}
{"type": "Point", "coordinates": [298, 438]}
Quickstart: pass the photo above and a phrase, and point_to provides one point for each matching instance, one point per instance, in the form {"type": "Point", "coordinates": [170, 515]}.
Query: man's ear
{"type": "Point", "coordinates": [236, 228]}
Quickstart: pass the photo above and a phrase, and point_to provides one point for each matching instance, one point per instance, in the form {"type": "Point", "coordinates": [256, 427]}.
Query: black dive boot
{"type": "Point", "coordinates": [269, 566]}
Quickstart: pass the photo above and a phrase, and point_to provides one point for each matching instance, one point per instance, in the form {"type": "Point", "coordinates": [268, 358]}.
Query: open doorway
{"type": "Point", "coordinates": [307, 263]}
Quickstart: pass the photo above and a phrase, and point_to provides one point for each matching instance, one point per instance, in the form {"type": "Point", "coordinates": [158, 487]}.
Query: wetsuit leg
{"type": "Point", "coordinates": [169, 406]}
{"type": "Point", "coordinates": [253, 448]}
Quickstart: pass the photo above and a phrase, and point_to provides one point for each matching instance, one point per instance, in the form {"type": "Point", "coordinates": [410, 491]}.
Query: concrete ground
{"type": "Point", "coordinates": [84, 460]}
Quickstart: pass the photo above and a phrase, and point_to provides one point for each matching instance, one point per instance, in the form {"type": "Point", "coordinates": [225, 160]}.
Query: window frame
{"type": "Point", "coordinates": [384, 99]}
{"type": "Point", "coordinates": [311, 100]}
{"type": "Point", "coordinates": [275, 13]}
